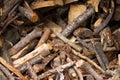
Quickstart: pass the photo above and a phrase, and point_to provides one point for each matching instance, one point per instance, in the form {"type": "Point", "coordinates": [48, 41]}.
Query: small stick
{"type": "Point", "coordinates": [73, 45]}
{"type": "Point", "coordinates": [103, 25]}
{"type": "Point", "coordinates": [3, 76]}
{"type": "Point", "coordinates": [6, 72]}
{"type": "Point", "coordinates": [11, 68]}
{"type": "Point", "coordinates": [101, 57]}
{"type": "Point", "coordinates": [25, 50]}
{"type": "Point", "coordinates": [78, 71]}
{"type": "Point", "coordinates": [7, 7]}
{"type": "Point", "coordinates": [41, 4]}
{"type": "Point", "coordinates": [31, 71]}
{"type": "Point", "coordinates": [28, 12]}
{"type": "Point", "coordinates": [87, 68]}
{"type": "Point", "coordinates": [59, 2]}
{"type": "Point", "coordinates": [44, 37]}
{"type": "Point", "coordinates": [52, 71]}
{"type": "Point", "coordinates": [39, 67]}
{"type": "Point", "coordinates": [17, 47]}
{"type": "Point", "coordinates": [87, 59]}
{"type": "Point", "coordinates": [52, 25]}
{"type": "Point", "coordinates": [77, 21]}
{"type": "Point", "coordinates": [41, 50]}
{"type": "Point", "coordinates": [83, 33]}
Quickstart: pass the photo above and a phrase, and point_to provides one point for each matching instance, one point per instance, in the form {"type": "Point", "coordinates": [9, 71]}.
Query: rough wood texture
{"type": "Point", "coordinates": [11, 68]}
{"type": "Point", "coordinates": [42, 50]}
{"type": "Point", "coordinates": [17, 47]}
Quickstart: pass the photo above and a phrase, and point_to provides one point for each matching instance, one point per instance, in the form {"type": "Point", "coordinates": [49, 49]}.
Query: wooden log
{"type": "Point", "coordinates": [7, 7]}
{"type": "Point", "coordinates": [42, 4]}
{"type": "Point", "coordinates": [28, 13]}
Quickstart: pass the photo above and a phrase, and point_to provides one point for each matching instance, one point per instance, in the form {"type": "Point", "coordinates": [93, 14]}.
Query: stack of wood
{"type": "Point", "coordinates": [59, 40]}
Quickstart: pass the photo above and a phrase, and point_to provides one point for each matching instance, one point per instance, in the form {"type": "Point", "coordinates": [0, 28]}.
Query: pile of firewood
{"type": "Point", "coordinates": [59, 40]}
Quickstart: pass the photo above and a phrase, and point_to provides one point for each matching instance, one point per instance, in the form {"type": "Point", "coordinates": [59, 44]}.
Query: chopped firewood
{"type": "Point", "coordinates": [75, 11]}
{"type": "Point", "coordinates": [27, 12]}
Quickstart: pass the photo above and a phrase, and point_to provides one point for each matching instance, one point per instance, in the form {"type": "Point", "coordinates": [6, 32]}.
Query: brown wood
{"type": "Point", "coordinates": [41, 50]}
{"type": "Point", "coordinates": [34, 34]}
{"type": "Point", "coordinates": [11, 68]}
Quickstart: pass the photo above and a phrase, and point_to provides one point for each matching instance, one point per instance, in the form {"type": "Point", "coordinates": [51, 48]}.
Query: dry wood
{"type": "Point", "coordinates": [106, 37]}
{"type": "Point", "coordinates": [41, 50]}
{"type": "Point", "coordinates": [76, 10]}
{"type": "Point", "coordinates": [83, 33]}
{"type": "Point", "coordinates": [39, 67]}
{"type": "Point", "coordinates": [78, 71]}
{"type": "Point", "coordinates": [11, 68]}
{"type": "Point", "coordinates": [25, 50]}
{"type": "Point", "coordinates": [106, 21]}
{"type": "Point", "coordinates": [87, 59]}
{"type": "Point", "coordinates": [72, 74]}
{"type": "Point", "coordinates": [7, 7]}
{"type": "Point", "coordinates": [116, 38]}
{"type": "Point", "coordinates": [17, 47]}
{"type": "Point", "coordinates": [77, 21]}
{"type": "Point", "coordinates": [101, 57]}
{"type": "Point", "coordinates": [73, 45]}
{"type": "Point", "coordinates": [2, 76]}
{"type": "Point", "coordinates": [42, 4]}
{"type": "Point", "coordinates": [28, 12]}
{"type": "Point", "coordinates": [31, 71]}
{"type": "Point", "coordinates": [70, 1]}
{"type": "Point", "coordinates": [44, 37]}
{"type": "Point", "coordinates": [59, 2]}
{"type": "Point", "coordinates": [52, 71]}
{"type": "Point", "coordinates": [86, 67]}
{"type": "Point", "coordinates": [7, 72]}
{"type": "Point", "coordinates": [119, 59]}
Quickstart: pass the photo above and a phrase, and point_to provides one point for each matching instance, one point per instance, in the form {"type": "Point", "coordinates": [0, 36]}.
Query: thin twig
{"type": "Point", "coordinates": [60, 68]}
{"type": "Point", "coordinates": [11, 68]}
{"type": "Point", "coordinates": [31, 71]}
{"type": "Point", "coordinates": [87, 59]}
{"type": "Point", "coordinates": [6, 72]}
